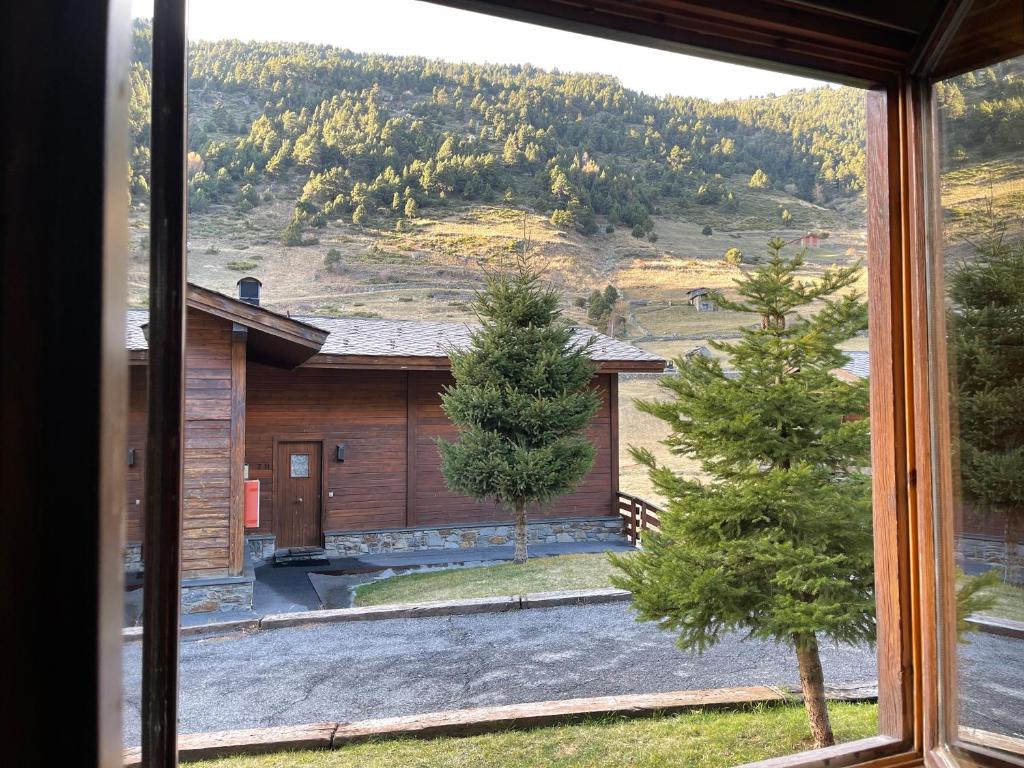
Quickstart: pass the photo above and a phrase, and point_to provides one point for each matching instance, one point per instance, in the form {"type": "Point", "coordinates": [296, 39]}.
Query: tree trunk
{"type": "Point", "coordinates": [520, 554]}
{"type": "Point", "coordinates": [812, 683]}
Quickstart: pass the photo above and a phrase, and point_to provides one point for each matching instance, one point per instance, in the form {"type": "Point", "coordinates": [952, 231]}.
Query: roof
{"type": "Point", "coordinates": [859, 365]}
{"type": "Point", "coordinates": [418, 338]}
{"type": "Point", "coordinates": [410, 344]}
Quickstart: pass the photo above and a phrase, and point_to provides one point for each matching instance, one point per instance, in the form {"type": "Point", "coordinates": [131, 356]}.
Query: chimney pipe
{"type": "Point", "coordinates": [249, 290]}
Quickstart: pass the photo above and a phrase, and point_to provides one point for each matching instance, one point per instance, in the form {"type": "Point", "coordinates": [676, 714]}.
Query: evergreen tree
{"type": "Point", "coordinates": [521, 400]}
{"type": "Point", "coordinates": [987, 336]}
{"type": "Point", "coordinates": [777, 541]}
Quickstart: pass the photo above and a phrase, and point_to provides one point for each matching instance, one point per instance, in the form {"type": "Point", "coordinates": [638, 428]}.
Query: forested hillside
{"type": "Point", "coordinates": [377, 137]}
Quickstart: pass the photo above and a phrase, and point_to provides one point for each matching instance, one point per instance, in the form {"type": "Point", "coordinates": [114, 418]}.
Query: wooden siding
{"type": "Point", "coordinates": [371, 412]}
{"type": "Point", "coordinates": [207, 509]}
{"type": "Point", "coordinates": [205, 545]}
{"type": "Point", "coordinates": [365, 410]}
{"type": "Point", "coordinates": [433, 504]}
{"type": "Point", "coordinates": [137, 441]}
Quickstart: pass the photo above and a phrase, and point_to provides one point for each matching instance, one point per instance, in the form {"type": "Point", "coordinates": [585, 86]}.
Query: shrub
{"type": "Point", "coordinates": [292, 234]}
{"type": "Point", "coordinates": [609, 229]}
{"type": "Point", "coordinates": [638, 232]}
{"type": "Point", "coordinates": [653, 237]}
{"type": "Point", "coordinates": [707, 231]}
{"type": "Point", "coordinates": [734, 256]}
{"type": "Point", "coordinates": [241, 266]}
{"type": "Point", "coordinates": [562, 219]}
{"type": "Point", "coordinates": [333, 257]}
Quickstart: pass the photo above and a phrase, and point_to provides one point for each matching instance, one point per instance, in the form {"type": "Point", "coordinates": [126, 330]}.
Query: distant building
{"type": "Point", "coordinates": [701, 299]}
{"type": "Point", "coordinates": [858, 368]}
{"type": "Point", "coordinates": [701, 351]}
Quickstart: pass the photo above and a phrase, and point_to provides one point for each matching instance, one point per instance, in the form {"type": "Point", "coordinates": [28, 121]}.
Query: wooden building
{"type": "Point", "coordinates": [337, 418]}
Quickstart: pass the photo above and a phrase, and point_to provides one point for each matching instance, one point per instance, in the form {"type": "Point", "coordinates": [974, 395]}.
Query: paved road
{"type": "Point", "coordinates": [405, 666]}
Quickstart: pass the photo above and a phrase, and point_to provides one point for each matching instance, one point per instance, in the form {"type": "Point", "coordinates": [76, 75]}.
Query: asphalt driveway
{"type": "Point", "coordinates": [354, 671]}
{"type": "Point", "coordinates": [360, 670]}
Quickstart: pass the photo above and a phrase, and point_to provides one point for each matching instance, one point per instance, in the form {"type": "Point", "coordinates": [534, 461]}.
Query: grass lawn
{"type": "Point", "coordinates": [1009, 602]}
{"type": "Point", "coordinates": [541, 574]}
{"type": "Point", "coordinates": [699, 739]}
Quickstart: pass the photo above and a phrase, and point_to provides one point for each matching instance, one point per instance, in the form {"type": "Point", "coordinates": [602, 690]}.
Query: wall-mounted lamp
{"type": "Point", "coordinates": [131, 457]}
{"type": "Point", "coordinates": [341, 452]}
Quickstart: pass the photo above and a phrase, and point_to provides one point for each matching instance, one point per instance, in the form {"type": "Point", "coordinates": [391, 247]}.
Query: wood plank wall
{"type": "Point", "coordinates": [371, 412]}
{"type": "Point", "coordinates": [365, 410]}
{"type": "Point", "coordinates": [137, 440]}
{"type": "Point", "coordinates": [207, 499]}
{"type": "Point", "coordinates": [434, 505]}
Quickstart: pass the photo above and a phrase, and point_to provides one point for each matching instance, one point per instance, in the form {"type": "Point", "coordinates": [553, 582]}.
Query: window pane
{"type": "Point", "coordinates": [300, 465]}
{"type": "Point", "coordinates": [981, 284]}
{"type": "Point", "coordinates": [360, 171]}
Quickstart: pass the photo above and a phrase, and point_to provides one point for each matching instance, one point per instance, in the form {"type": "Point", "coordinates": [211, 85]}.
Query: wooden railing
{"type": "Point", "coordinates": [639, 516]}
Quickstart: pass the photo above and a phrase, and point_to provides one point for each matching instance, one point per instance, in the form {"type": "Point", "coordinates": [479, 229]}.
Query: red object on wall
{"type": "Point", "coordinates": [252, 503]}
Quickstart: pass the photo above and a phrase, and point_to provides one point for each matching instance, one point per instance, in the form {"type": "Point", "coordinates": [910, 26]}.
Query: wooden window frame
{"type": "Point", "coordinates": [905, 379]}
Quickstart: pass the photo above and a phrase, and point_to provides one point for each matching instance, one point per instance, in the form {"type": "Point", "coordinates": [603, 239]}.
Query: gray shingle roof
{"type": "Point", "coordinates": [859, 365]}
{"type": "Point", "coordinates": [407, 338]}
{"type": "Point", "coordinates": [135, 339]}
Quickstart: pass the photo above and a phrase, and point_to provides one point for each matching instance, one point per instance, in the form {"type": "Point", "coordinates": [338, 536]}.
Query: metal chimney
{"type": "Point", "coordinates": [249, 290]}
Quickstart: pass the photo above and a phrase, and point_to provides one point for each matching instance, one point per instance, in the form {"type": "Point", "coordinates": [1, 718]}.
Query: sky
{"type": "Point", "coordinates": [412, 27]}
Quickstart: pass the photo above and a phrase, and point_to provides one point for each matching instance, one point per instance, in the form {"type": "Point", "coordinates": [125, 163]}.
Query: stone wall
{"type": "Point", "coordinates": [261, 547]}
{"type": "Point", "coordinates": [340, 544]}
{"type": "Point", "coordinates": [228, 594]}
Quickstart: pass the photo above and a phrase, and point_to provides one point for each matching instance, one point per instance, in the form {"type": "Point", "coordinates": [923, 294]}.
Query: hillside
{"type": "Point", "coordinates": [357, 183]}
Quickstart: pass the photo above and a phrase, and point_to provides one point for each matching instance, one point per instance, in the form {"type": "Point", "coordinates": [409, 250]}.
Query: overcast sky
{"type": "Point", "coordinates": [412, 27]}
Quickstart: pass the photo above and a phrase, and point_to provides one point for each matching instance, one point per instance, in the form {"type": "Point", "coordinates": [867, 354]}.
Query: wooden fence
{"type": "Point", "coordinates": [639, 516]}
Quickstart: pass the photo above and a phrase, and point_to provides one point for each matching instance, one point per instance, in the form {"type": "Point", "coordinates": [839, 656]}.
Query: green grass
{"type": "Point", "coordinates": [1009, 601]}
{"type": "Point", "coordinates": [697, 739]}
{"type": "Point", "coordinates": [541, 574]}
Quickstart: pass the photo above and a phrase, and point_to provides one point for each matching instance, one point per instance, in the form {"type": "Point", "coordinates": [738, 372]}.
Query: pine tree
{"type": "Point", "coordinates": [521, 400]}
{"type": "Point", "coordinates": [776, 542]}
{"type": "Point", "coordinates": [987, 336]}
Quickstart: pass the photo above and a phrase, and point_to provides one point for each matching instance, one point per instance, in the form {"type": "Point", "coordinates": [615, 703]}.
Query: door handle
{"type": "Point", "coordinates": [299, 500]}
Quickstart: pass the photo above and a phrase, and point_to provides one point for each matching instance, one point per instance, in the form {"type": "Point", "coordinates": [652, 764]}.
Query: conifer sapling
{"type": "Point", "coordinates": [775, 541]}
{"type": "Point", "coordinates": [521, 400]}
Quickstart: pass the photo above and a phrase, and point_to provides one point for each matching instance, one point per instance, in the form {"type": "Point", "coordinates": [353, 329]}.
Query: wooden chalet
{"type": "Point", "coordinates": [337, 419]}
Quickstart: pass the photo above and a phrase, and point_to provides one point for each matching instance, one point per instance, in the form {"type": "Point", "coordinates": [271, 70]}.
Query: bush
{"type": "Point", "coordinates": [333, 257]}
{"type": "Point", "coordinates": [638, 232]}
{"type": "Point", "coordinates": [292, 234]}
{"type": "Point", "coordinates": [653, 237]}
{"type": "Point", "coordinates": [734, 256]}
{"type": "Point", "coordinates": [241, 266]}
{"type": "Point", "coordinates": [707, 231]}
{"type": "Point", "coordinates": [609, 229]}
{"type": "Point", "coordinates": [580, 302]}
{"type": "Point", "coordinates": [212, 250]}
{"type": "Point", "coordinates": [562, 219]}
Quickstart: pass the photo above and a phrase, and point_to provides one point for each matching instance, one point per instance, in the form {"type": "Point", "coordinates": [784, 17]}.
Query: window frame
{"type": "Point", "coordinates": [905, 379]}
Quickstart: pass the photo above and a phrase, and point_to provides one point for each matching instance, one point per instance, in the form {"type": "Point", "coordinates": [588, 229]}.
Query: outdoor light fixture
{"type": "Point", "coordinates": [341, 452]}
{"type": "Point", "coordinates": [131, 457]}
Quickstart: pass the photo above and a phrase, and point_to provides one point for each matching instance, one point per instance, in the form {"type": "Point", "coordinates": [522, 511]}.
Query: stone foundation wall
{"type": "Point", "coordinates": [340, 544]}
{"type": "Point", "coordinates": [133, 556]}
{"type": "Point", "coordinates": [232, 593]}
{"type": "Point", "coordinates": [990, 550]}
{"type": "Point", "coordinates": [261, 548]}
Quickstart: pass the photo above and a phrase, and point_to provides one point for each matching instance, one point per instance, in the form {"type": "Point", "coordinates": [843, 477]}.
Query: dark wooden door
{"type": "Point", "coordinates": [297, 488]}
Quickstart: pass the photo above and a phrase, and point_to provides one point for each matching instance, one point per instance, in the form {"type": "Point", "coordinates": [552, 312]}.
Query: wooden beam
{"type": "Point", "coordinates": [165, 433]}
{"type": "Point", "coordinates": [410, 448]}
{"type": "Point", "coordinates": [613, 431]}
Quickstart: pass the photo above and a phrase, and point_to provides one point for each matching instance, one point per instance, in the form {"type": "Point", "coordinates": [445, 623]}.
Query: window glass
{"type": "Point", "coordinates": [980, 282]}
{"type": "Point", "coordinates": [300, 465]}
{"type": "Point", "coordinates": [368, 169]}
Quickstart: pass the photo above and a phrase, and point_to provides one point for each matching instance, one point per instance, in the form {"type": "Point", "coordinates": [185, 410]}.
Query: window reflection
{"type": "Point", "coordinates": [982, 191]}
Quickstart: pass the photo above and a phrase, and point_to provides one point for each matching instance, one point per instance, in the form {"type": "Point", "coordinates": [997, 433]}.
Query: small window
{"type": "Point", "coordinates": [300, 465]}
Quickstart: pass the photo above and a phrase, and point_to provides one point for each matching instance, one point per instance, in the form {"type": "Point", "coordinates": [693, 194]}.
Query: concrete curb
{"type": "Point", "coordinates": [403, 611]}
{"type": "Point", "coordinates": [462, 722]}
{"type": "Point", "coordinates": [993, 626]}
